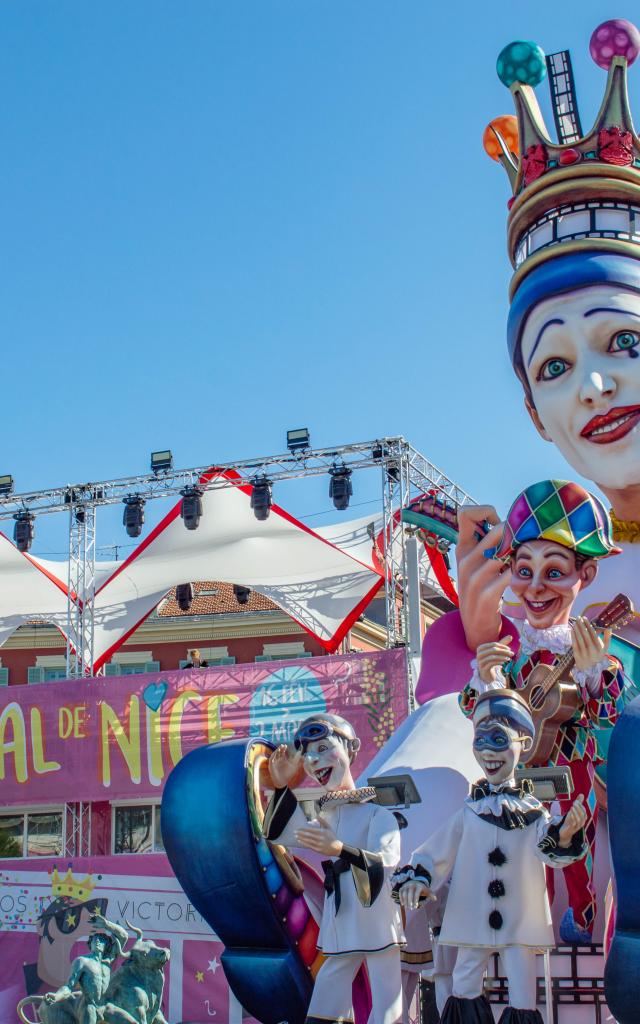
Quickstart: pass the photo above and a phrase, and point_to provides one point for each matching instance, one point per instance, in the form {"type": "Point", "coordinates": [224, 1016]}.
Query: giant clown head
{"type": "Point", "coordinates": [574, 242]}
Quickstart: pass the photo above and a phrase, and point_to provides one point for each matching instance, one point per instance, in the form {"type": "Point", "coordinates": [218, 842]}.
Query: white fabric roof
{"type": "Point", "coordinates": [321, 583]}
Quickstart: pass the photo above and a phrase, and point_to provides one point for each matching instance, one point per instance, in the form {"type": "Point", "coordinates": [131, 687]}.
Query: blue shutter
{"type": "Point", "coordinates": [4, 676]}
{"type": "Point", "coordinates": [35, 675]}
{"type": "Point", "coordinates": [152, 666]}
{"type": "Point", "coordinates": [112, 670]}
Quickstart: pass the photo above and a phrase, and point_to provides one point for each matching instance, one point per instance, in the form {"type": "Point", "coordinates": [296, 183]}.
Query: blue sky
{"type": "Point", "coordinates": [223, 219]}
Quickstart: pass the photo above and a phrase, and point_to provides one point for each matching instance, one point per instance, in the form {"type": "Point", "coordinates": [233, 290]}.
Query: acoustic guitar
{"type": "Point", "coordinates": [553, 697]}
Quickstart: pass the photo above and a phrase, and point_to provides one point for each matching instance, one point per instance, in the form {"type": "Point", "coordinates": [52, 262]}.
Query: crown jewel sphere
{"type": "Point", "coordinates": [615, 38]}
{"type": "Point", "coordinates": [521, 61]}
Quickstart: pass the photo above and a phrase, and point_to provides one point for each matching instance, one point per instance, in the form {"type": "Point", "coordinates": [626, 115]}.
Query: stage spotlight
{"type": "Point", "coordinates": [241, 593]}
{"type": "Point", "coordinates": [377, 453]}
{"type": "Point", "coordinates": [393, 471]}
{"type": "Point", "coordinates": [23, 531]}
{"type": "Point", "coordinates": [6, 485]}
{"type": "Point", "coordinates": [298, 440]}
{"type": "Point", "coordinates": [161, 462]}
{"type": "Point", "coordinates": [191, 508]}
{"type": "Point", "coordinates": [184, 596]}
{"type": "Point", "coordinates": [133, 515]}
{"type": "Point", "coordinates": [340, 487]}
{"type": "Point", "coordinates": [261, 497]}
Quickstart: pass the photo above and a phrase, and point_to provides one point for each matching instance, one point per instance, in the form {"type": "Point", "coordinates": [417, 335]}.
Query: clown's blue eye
{"type": "Point", "coordinates": [525, 573]}
{"type": "Point", "coordinates": [624, 341]}
{"type": "Point", "coordinates": [553, 368]}
{"type": "Point", "coordinates": [555, 574]}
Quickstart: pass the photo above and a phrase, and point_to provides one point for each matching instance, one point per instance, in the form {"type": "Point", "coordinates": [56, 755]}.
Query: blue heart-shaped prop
{"type": "Point", "coordinates": [154, 694]}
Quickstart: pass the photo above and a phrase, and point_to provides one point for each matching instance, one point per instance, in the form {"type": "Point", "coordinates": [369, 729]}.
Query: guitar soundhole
{"type": "Point", "coordinates": [537, 698]}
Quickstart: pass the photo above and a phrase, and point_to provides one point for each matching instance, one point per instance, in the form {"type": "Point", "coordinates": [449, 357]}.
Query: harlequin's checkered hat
{"type": "Point", "coordinates": [560, 511]}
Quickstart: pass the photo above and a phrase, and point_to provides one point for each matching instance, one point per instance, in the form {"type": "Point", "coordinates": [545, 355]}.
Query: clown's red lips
{"type": "Point", "coordinates": [613, 425]}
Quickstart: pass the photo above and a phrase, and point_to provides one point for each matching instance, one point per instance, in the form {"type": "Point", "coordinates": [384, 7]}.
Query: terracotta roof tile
{"type": "Point", "coordinates": [213, 598]}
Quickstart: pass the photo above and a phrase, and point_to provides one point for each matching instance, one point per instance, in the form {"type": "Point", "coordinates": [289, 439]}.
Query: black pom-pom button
{"type": "Point", "coordinates": [496, 889]}
{"type": "Point", "coordinates": [495, 920]}
{"type": "Point", "coordinates": [497, 857]}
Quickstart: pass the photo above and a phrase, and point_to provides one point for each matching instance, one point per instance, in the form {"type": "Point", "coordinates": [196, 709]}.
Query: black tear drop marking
{"type": "Point", "coordinates": [497, 858]}
{"type": "Point", "coordinates": [495, 920]}
{"type": "Point", "coordinates": [496, 889]}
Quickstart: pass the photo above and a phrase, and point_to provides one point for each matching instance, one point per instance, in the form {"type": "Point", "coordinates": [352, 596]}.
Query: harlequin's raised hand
{"type": "Point", "coordinates": [285, 768]}
{"type": "Point", "coordinates": [491, 656]}
{"type": "Point", "coordinates": [319, 836]}
{"type": "Point", "coordinates": [573, 822]}
{"type": "Point", "coordinates": [588, 647]}
{"type": "Point", "coordinates": [411, 892]}
{"type": "Point", "coordinates": [481, 581]}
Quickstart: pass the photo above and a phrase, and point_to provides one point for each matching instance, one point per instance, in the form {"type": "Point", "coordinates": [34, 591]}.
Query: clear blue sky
{"type": "Point", "coordinates": [223, 219]}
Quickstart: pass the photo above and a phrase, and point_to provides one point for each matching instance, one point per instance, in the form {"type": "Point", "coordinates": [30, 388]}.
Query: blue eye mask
{"type": "Point", "coordinates": [494, 738]}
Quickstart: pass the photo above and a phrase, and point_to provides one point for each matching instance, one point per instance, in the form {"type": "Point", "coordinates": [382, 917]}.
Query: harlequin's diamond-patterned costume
{"type": "Point", "coordinates": [575, 744]}
{"type": "Point", "coordinates": [564, 513]}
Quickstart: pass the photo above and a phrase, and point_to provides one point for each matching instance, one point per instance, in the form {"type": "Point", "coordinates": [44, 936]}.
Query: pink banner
{"type": "Point", "coordinates": [119, 737]}
{"type": "Point", "coordinates": [40, 935]}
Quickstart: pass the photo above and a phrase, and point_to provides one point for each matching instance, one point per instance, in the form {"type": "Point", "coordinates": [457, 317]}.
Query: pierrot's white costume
{"type": "Point", "coordinates": [360, 921]}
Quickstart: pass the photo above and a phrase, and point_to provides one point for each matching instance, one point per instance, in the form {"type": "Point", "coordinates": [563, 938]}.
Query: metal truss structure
{"type": "Point", "coordinates": [404, 474]}
{"type": "Point", "coordinates": [77, 830]}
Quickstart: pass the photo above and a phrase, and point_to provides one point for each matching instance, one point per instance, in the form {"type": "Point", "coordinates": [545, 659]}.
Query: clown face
{"type": "Point", "coordinates": [497, 748]}
{"type": "Point", "coordinates": [545, 578]}
{"type": "Point", "coordinates": [580, 355]}
{"type": "Point", "coordinates": [326, 761]}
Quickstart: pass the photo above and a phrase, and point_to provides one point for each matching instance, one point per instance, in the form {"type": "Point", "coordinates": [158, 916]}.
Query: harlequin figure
{"type": "Point", "coordinates": [361, 841]}
{"type": "Point", "coordinates": [494, 850]}
{"type": "Point", "coordinates": [553, 537]}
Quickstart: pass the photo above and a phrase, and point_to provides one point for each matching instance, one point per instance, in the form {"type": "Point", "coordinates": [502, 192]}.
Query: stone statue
{"type": "Point", "coordinates": [133, 995]}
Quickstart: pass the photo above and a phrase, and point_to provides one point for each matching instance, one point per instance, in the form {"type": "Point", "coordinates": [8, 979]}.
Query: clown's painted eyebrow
{"type": "Point", "coordinates": [611, 309]}
{"type": "Point", "coordinates": [549, 323]}
{"type": "Point", "coordinates": [525, 555]}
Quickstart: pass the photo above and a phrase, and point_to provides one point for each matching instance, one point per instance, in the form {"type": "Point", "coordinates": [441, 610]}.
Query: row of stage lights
{"type": "Point", "coordinates": [340, 492]}
{"type": "Point", "coordinates": [298, 441]}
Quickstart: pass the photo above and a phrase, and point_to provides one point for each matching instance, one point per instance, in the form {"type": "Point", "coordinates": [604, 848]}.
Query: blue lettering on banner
{"type": "Point", "coordinates": [283, 700]}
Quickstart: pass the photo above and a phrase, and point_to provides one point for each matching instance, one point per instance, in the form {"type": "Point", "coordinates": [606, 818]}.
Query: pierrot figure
{"type": "Point", "coordinates": [553, 539]}
{"type": "Point", "coordinates": [361, 841]}
{"type": "Point", "coordinates": [494, 851]}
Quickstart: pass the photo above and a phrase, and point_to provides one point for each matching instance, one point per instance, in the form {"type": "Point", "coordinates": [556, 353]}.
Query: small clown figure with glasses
{"type": "Point", "coordinates": [361, 843]}
{"type": "Point", "coordinates": [494, 850]}
{"type": "Point", "coordinates": [554, 536]}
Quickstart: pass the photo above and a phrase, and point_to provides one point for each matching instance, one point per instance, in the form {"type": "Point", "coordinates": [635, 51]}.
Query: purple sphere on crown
{"type": "Point", "coordinates": [614, 38]}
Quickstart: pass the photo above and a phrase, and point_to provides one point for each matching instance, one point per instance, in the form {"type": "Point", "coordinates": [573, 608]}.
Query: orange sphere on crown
{"type": "Point", "coordinates": [507, 126]}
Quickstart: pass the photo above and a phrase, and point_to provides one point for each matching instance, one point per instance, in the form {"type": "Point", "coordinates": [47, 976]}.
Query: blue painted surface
{"type": "Point", "coordinates": [622, 971]}
{"type": "Point", "coordinates": [210, 845]}
{"type": "Point", "coordinates": [283, 700]}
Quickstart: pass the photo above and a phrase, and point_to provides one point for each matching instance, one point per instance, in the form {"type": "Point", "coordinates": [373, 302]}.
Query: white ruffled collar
{"type": "Point", "coordinates": [556, 639]}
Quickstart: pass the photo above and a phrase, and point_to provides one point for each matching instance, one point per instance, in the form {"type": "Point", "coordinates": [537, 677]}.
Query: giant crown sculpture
{"type": "Point", "coordinates": [581, 194]}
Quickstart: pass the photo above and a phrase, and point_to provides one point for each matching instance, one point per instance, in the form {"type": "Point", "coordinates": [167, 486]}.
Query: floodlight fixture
{"type": "Point", "coordinates": [6, 485]}
{"type": "Point", "coordinates": [133, 515]}
{"type": "Point", "coordinates": [241, 594]}
{"type": "Point", "coordinates": [191, 507]}
{"type": "Point", "coordinates": [161, 462]}
{"type": "Point", "coordinates": [298, 440]}
{"type": "Point", "coordinates": [24, 530]}
{"type": "Point", "coordinates": [377, 452]}
{"type": "Point", "coordinates": [340, 486]}
{"type": "Point", "coordinates": [393, 471]}
{"type": "Point", "coordinates": [261, 500]}
{"type": "Point", "coordinates": [184, 596]}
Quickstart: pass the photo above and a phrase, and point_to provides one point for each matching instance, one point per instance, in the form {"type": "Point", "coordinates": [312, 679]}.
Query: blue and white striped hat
{"type": "Point", "coordinates": [505, 704]}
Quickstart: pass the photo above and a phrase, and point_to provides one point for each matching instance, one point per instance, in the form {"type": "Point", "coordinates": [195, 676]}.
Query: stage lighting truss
{"type": "Point", "coordinates": [133, 515]}
{"type": "Point", "coordinates": [340, 486]}
{"type": "Point", "coordinates": [191, 508]}
{"type": "Point", "coordinates": [24, 530]}
{"type": "Point", "coordinates": [261, 500]}
{"type": "Point", "coordinates": [404, 472]}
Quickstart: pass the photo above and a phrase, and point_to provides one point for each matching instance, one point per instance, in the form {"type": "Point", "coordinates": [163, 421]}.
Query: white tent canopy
{"type": "Point", "coordinates": [323, 579]}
